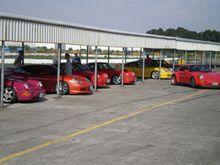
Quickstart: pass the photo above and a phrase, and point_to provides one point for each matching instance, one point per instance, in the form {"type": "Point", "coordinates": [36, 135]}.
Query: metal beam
{"type": "Point", "coordinates": [122, 67]}
{"type": "Point", "coordinates": [87, 54]}
{"type": "Point", "coordinates": [174, 56]}
{"type": "Point", "coordinates": [143, 67]}
{"type": "Point", "coordinates": [108, 54]}
{"type": "Point", "coordinates": [96, 71]}
{"type": "Point", "coordinates": [58, 69]}
{"type": "Point", "coordinates": [210, 60]}
{"type": "Point", "coordinates": [2, 72]}
{"type": "Point", "coordinates": [161, 52]}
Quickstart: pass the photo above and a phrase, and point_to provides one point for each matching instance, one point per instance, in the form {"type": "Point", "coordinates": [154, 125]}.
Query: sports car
{"type": "Point", "coordinates": [69, 84]}
{"type": "Point", "coordinates": [150, 71]}
{"type": "Point", "coordinates": [22, 90]}
{"type": "Point", "coordinates": [113, 74]}
{"type": "Point", "coordinates": [102, 78]}
{"type": "Point", "coordinates": [196, 76]}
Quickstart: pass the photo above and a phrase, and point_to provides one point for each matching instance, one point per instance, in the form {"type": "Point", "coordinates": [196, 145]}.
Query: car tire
{"type": "Point", "coordinates": [193, 82]}
{"type": "Point", "coordinates": [155, 75]}
{"type": "Point", "coordinates": [173, 80]}
{"type": "Point", "coordinates": [116, 80]}
{"type": "Point", "coordinates": [64, 88]}
{"type": "Point", "coordinates": [9, 95]}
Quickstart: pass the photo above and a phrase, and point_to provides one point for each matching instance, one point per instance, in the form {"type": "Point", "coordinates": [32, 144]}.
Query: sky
{"type": "Point", "coordinates": [137, 16]}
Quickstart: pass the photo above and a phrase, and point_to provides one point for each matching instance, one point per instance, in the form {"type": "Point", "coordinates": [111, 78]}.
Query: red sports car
{"type": "Point", "coordinates": [102, 78]}
{"type": "Point", "coordinates": [113, 74]}
{"type": "Point", "coordinates": [22, 90]}
{"type": "Point", "coordinates": [196, 76]}
{"type": "Point", "coordinates": [69, 84]}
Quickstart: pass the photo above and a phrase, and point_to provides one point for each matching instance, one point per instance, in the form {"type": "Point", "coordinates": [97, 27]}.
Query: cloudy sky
{"type": "Point", "coordinates": [126, 15]}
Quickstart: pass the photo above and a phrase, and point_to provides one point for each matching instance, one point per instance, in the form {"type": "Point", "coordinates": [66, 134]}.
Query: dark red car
{"type": "Point", "coordinates": [102, 78]}
{"type": "Point", "coordinates": [22, 90]}
{"type": "Point", "coordinates": [113, 74]}
{"type": "Point", "coordinates": [196, 76]}
{"type": "Point", "coordinates": [69, 84]}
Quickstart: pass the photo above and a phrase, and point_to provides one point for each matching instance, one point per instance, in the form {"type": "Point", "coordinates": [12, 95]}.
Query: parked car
{"type": "Point", "coordinates": [113, 74]}
{"type": "Point", "coordinates": [69, 84]}
{"type": "Point", "coordinates": [150, 71]}
{"type": "Point", "coordinates": [22, 90]}
{"type": "Point", "coordinates": [196, 76]}
{"type": "Point", "coordinates": [102, 78]}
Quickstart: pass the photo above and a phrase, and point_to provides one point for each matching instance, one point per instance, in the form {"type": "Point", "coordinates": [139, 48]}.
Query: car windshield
{"type": "Point", "coordinates": [77, 67]}
{"type": "Point", "coordinates": [106, 66]}
{"type": "Point", "coordinates": [199, 68]}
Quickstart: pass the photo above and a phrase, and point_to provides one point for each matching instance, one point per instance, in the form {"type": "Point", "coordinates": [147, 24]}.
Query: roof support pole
{"type": "Point", "coordinates": [203, 57]}
{"type": "Point", "coordinates": [215, 59]}
{"type": "Point", "coordinates": [161, 53]}
{"type": "Point", "coordinates": [96, 71]}
{"type": "Point", "coordinates": [143, 68]}
{"type": "Point", "coordinates": [108, 54]}
{"type": "Point", "coordinates": [23, 51]}
{"type": "Point", "coordinates": [174, 56]}
{"type": "Point", "coordinates": [210, 60]}
{"type": "Point", "coordinates": [126, 53]}
{"type": "Point", "coordinates": [2, 72]}
{"type": "Point", "coordinates": [87, 54]}
{"type": "Point", "coordinates": [185, 56]}
{"type": "Point", "coordinates": [122, 67]}
{"type": "Point", "coordinates": [195, 57]}
{"type": "Point", "coordinates": [58, 69]}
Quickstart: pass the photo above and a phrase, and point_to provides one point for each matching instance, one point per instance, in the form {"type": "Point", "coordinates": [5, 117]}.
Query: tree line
{"type": "Point", "coordinates": [207, 35]}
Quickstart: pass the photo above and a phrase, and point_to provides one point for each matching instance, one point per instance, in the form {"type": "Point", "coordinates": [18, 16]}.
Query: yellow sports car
{"type": "Point", "coordinates": [152, 70]}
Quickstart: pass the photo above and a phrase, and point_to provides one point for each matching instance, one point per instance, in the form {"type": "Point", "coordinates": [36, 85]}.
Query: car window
{"type": "Point", "coordinates": [200, 68]}
{"type": "Point", "coordinates": [183, 68]}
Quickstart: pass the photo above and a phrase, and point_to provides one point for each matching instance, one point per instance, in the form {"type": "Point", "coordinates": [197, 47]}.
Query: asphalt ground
{"type": "Point", "coordinates": [150, 123]}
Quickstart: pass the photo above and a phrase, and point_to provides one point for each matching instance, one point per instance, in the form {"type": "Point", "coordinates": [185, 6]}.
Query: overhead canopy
{"type": "Point", "coordinates": [28, 29]}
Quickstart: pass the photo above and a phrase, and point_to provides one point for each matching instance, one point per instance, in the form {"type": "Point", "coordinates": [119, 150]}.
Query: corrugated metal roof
{"type": "Point", "coordinates": [31, 29]}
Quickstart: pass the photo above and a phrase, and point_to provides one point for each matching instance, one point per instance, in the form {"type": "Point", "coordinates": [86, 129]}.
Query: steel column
{"type": "Point", "coordinates": [108, 53]}
{"type": "Point", "coordinates": [195, 57]}
{"type": "Point", "coordinates": [203, 58]}
{"type": "Point", "coordinates": [143, 67]}
{"type": "Point", "coordinates": [2, 72]}
{"type": "Point", "coordinates": [96, 72]}
{"type": "Point", "coordinates": [185, 57]}
{"type": "Point", "coordinates": [24, 54]}
{"type": "Point", "coordinates": [87, 54]}
{"type": "Point", "coordinates": [210, 61]}
{"type": "Point", "coordinates": [161, 52]}
{"type": "Point", "coordinates": [58, 69]}
{"type": "Point", "coordinates": [174, 55]}
{"type": "Point", "coordinates": [215, 59]}
{"type": "Point", "coordinates": [122, 67]}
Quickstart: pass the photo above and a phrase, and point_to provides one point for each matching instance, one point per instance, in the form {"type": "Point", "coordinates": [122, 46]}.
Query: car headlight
{"type": "Point", "coordinates": [201, 77]}
{"type": "Point", "coordinates": [76, 81]}
{"type": "Point", "coordinates": [40, 84]}
{"type": "Point", "coordinates": [26, 86]}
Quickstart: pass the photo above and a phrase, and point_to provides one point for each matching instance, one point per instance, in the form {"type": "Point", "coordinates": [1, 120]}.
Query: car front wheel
{"type": "Point", "coordinates": [193, 82]}
{"type": "Point", "coordinates": [173, 80]}
{"type": "Point", "coordinates": [9, 95]}
{"type": "Point", "coordinates": [63, 88]}
{"type": "Point", "coordinates": [116, 80]}
{"type": "Point", "coordinates": [155, 75]}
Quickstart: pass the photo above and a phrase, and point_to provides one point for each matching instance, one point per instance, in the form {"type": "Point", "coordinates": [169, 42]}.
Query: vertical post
{"type": "Point", "coordinates": [24, 53]}
{"type": "Point", "coordinates": [195, 57]}
{"type": "Point", "coordinates": [185, 57]}
{"type": "Point", "coordinates": [58, 69]}
{"type": "Point", "coordinates": [122, 67]}
{"type": "Point", "coordinates": [80, 51]}
{"type": "Point", "coordinates": [203, 58]}
{"type": "Point", "coordinates": [140, 54]}
{"type": "Point", "coordinates": [143, 67]}
{"type": "Point", "coordinates": [108, 54]}
{"type": "Point", "coordinates": [126, 53]}
{"type": "Point", "coordinates": [2, 72]}
{"type": "Point", "coordinates": [210, 60]}
{"type": "Point", "coordinates": [87, 54]}
{"type": "Point", "coordinates": [215, 59]}
{"type": "Point", "coordinates": [174, 56]}
{"type": "Point", "coordinates": [96, 72]}
{"type": "Point", "coordinates": [161, 52]}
